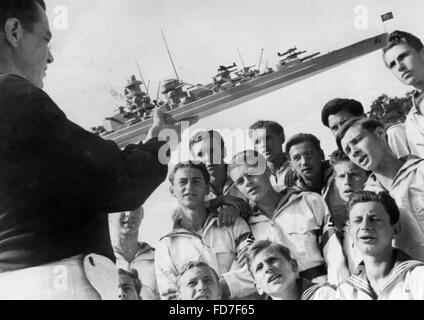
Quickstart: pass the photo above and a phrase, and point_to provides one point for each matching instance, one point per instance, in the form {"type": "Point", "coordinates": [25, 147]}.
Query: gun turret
{"type": "Point", "coordinates": [287, 52]}
{"type": "Point", "coordinates": [295, 54]}
{"type": "Point", "coordinates": [310, 56]}
{"type": "Point", "coordinates": [224, 68]}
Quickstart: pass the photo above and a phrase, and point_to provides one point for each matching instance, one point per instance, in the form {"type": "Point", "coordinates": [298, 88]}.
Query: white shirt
{"type": "Point", "coordinates": [415, 126]}
{"type": "Point", "coordinates": [407, 188]}
{"type": "Point", "coordinates": [217, 246]}
{"type": "Point", "coordinates": [405, 282]}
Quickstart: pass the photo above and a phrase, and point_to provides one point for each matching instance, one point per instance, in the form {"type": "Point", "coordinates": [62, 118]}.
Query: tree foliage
{"type": "Point", "coordinates": [391, 110]}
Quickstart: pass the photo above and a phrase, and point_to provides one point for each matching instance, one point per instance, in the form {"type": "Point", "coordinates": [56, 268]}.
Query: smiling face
{"type": "Point", "coordinates": [272, 272]}
{"type": "Point", "coordinates": [129, 221]}
{"type": "Point", "coordinates": [268, 143]}
{"type": "Point", "coordinates": [349, 178]}
{"type": "Point", "coordinates": [406, 64]}
{"type": "Point", "coordinates": [370, 228]}
{"type": "Point", "coordinates": [306, 160]}
{"type": "Point", "coordinates": [251, 181]}
{"type": "Point", "coordinates": [199, 283]}
{"type": "Point", "coordinates": [364, 148]}
{"type": "Point", "coordinates": [189, 187]}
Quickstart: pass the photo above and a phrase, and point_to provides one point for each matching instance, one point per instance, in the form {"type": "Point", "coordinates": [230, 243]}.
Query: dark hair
{"type": "Point", "coordinates": [382, 197]}
{"type": "Point", "coordinates": [23, 10]}
{"type": "Point", "coordinates": [398, 37]}
{"type": "Point", "coordinates": [134, 275]}
{"type": "Point", "coordinates": [197, 264]}
{"type": "Point", "coordinates": [190, 164]}
{"type": "Point", "coordinates": [261, 245]}
{"type": "Point", "coordinates": [206, 135]}
{"type": "Point", "coordinates": [336, 105]}
{"type": "Point", "coordinates": [365, 123]}
{"type": "Point", "coordinates": [303, 137]}
{"type": "Point", "coordinates": [268, 125]}
{"type": "Point", "coordinates": [338, 156]}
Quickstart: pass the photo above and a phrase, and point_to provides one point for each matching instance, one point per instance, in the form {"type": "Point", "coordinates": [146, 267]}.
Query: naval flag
{"type": "Point", "coordinates": [387, 16]}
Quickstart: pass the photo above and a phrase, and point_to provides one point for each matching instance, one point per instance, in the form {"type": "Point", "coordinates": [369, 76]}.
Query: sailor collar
{"type": "Point", "coordinates": [403, 264]}
{"type": "Point", "coordinates": [417, 98]}
{"type": "Point", "coordinates": [178, 230]}
{"type": "Point", "coordinates": [410, 164]}
{"type": "Point", "coordinates": [144, 249]}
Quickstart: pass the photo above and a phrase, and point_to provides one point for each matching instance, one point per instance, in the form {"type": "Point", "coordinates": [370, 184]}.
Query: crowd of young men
{"type": "Point", "coordinates": [270, 224]}
{"type": "Point", "coordinates": [351, 227]}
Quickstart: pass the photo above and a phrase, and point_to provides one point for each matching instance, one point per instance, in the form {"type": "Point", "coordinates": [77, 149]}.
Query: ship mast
{"type": "Point", "coordinates": [157, 94]}
{"type": "Point", "coordinates": [170, 57]}
{"type": "Point", "coordinates": [142, 79]}
{"type": "Point", "coordinates": [241, 58]}
{"type": "Point", "coordinates": [260, 60]}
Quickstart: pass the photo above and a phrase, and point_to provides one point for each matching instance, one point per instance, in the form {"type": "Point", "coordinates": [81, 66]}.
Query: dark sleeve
{"type": "Point", "coordinates": [77, 166]}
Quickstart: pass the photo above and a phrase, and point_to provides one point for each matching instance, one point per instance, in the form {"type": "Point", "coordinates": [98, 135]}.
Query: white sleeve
{"type": "Point", "coordinates": [396, 138]}
{"type": "Point", "coordinates": [240, 282]}
{"type": "Point", "coordinates": [373, 185]}
{"type": "Point", "coordinates": [416, 283]}
{"type": "Point", "coordinates": [239, 279]}
{"type": "Point", "coordinates": [332, 250]}
{"type": "Point", "coordinates": [166, 275]}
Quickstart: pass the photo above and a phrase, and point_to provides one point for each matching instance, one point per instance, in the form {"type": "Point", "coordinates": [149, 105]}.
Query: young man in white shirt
{"type": "Point", "coordinates": [130, 253]}
{"type": "Point", "coordinates": [293, 218]}
{"type": "Point", "coordinates": [386, 273]}
{"type": "Point", "coordinates": [404, 56]}
{"type": "Point", "coordinates": [196, 236]}
{"type": "Point", "coordinates": [276, 274]}
{"type": "Point", "coordinates": [268, 139]}
{"type": "Point", "coordinates": [364, 142]}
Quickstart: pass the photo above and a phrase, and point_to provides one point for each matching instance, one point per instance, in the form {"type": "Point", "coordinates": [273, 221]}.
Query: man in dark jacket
{"type": "Point", "coordinates": [58, 182]}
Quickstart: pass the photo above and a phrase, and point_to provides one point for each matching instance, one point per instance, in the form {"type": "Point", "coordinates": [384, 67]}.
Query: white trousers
{"type": "Point", "coordinates": [83, 277]}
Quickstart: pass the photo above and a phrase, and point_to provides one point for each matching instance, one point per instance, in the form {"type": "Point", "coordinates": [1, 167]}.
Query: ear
{"type": "Point", "coordinates": [283, 139]}
{"type": "Point", "coordinates": [322, 155]}
{"type": "Point", "coordinates": [171, 189]}
{"type": "Point", "coordinates": [207, 188]}
{"type": "Point", "coordinates": [294, 265]}
{"type": "Point", "coordinates": [14, 31]}
{"type": "Point", "coordinates": [381, 133]}
{"type": "Point", "coordinates": [396, 230]}
{"type": "Point", "coordinates": [349, 233]}
{"type": "Point", "coordinates": [260, 291]}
